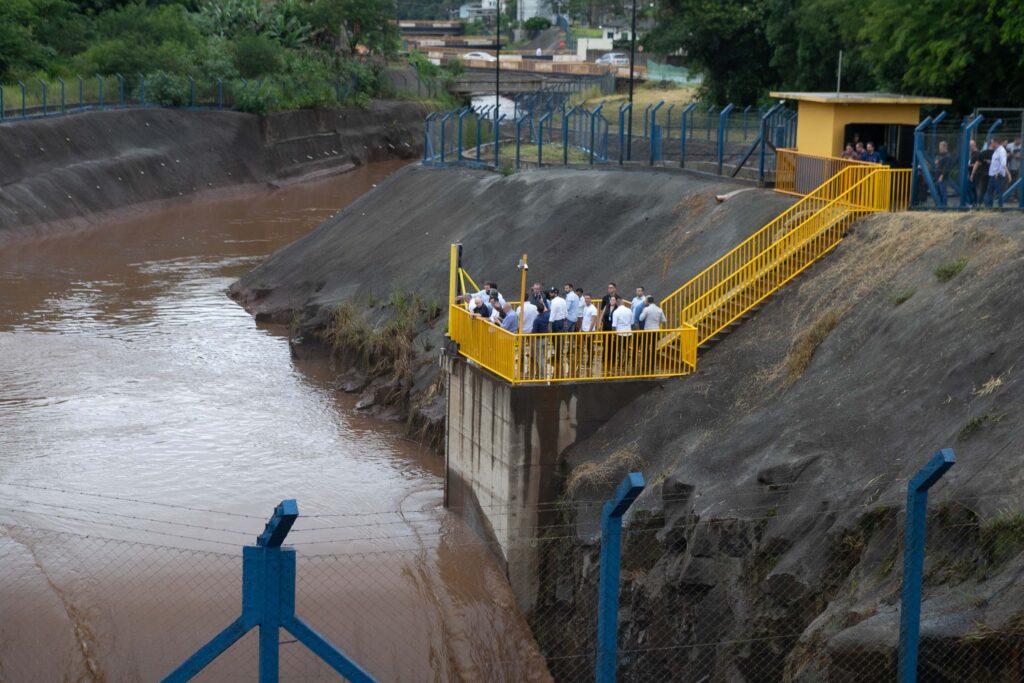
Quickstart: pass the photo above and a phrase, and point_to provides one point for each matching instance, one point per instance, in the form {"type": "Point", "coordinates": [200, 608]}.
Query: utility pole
{"type": "Point", "coordinates": [632, 59]}
{"type": "Point", "coordinates": [497, 64]}
{"type": "Point", "coordinates": [839, 73]}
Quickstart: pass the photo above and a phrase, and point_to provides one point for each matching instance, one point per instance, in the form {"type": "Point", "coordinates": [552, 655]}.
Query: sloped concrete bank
{"type": "Point", "coordinates": [387, 254]}
{"type": "Point", "coordinates": [767, 544]}
{"type": "Point", "coordinates": [66, 172]}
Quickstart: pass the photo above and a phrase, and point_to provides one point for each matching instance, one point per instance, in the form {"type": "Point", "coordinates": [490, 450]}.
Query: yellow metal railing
{"type": "Point", "coordinates": [772, 256]}
{"type": "Point", "coordinates": [797, 173]}
{"type": "Point", "coordinates": [698, 310]}
{"type": "Point", "coordinates": [573, 356]}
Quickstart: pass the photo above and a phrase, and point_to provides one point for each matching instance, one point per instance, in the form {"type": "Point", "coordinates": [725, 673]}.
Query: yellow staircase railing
{"type": "Point", "coordinates": [760, 265]}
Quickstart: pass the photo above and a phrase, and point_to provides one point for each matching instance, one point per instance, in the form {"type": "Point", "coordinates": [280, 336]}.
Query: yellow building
{"type": "Point", "coordinates": [827, 121]}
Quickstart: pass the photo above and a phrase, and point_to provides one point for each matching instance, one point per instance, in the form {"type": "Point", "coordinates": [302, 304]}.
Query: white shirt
{"type": "Point", "coordinates": [652, 317]}
{"type": "Point", "coordinates": [589, 316]}
{"type": "Point", "coordinates": [559, 310]}
{"type": "Point", "coordinates": [495, 315]}
{"type": "Point", "coordinates": [998, 165]}
{"type": "Point", "coordinates": [486, 296]}
{"type": "Point", "coordinates": [528, 317]}
{"type": "Point", "coordinates": [622, 319]}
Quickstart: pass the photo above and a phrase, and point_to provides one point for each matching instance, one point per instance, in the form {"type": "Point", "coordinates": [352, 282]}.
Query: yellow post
{"type": "Point", "coordinates": [453, 269]}
{"type": "Point", "coordinates": [522, 291]}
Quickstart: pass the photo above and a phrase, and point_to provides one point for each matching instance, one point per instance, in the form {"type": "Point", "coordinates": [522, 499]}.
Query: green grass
{"type": "Point", "coordinates": [950, 269]}
{"type": "Point", "coordinates": [553, 154]}
{"type": "Point", "coordinates": [1002, 536]}
{"type": "Point", "coordinates": [586, 32]}
{"type": "Point", "coordinates": [975, 424]}
{"type": "Point", "coordinates": [902, 297]}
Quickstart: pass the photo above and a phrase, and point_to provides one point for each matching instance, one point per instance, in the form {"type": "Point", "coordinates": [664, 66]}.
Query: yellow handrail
{"type": "Point", "coordinates": [797, 173]}
{"type": "Point", "coordinates": [782, 249]}
{"type": "Point", "coordinates": [573, 356]}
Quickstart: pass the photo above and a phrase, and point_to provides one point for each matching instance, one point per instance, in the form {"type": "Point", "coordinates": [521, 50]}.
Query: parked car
{"type": "Point", "coordinates": [613, 58]}
{"type": "Point", "coordinates": [483, 56]}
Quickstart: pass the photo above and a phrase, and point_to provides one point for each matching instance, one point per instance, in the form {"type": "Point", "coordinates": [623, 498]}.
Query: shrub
{"type": "Point", "coordinates": [950, 269]}
{"type": "Point", "coordinates": [168, 89]}
{"type": "Point", "coordinates": [256, 98]}
{"type": "Point", "coordinates": [537, 24]}
{"type": "Point", "coordinates": [257, 56]}
{"type": "Point", "coordinates": [806, 344]}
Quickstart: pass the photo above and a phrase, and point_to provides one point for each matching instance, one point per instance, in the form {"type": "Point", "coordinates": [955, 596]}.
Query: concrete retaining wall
{"type": "Point", "coordinates": [503, 461]}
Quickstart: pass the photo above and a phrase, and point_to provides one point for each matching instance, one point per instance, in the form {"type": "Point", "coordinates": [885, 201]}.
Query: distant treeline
{"type": "Point", "coordinates": [969, 50]}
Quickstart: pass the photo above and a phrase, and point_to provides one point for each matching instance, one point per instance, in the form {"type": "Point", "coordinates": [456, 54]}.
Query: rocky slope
{"type": "Point", "coordinates": [767, 545]}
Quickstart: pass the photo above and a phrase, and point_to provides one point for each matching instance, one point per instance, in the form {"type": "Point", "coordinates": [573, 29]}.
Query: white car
{"type": "Point", "coordinates": [613, 58]}
{"type": "Point", "coordinates": [482, 56]}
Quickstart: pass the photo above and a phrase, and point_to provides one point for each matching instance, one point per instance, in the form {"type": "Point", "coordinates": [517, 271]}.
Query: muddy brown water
{"type": "Point", "coordinates": [147, 429]}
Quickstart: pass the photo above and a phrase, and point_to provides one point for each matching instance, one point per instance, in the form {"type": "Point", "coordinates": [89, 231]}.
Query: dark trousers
{"type": "Point", "coordinates": [994, 190]}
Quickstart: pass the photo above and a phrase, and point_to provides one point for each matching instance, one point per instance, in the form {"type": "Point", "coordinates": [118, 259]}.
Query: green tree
{"type": "Point", "coordinates": [537, 24]}
{"type": "Point", "coordinates": [348, 23]}
{"type": "Point", "coordinates": [725, 40]}
{"type": "Point", "coordinates": [257, 56]}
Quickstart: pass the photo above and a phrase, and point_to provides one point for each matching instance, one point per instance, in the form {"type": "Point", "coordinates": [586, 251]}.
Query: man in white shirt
{"type": "Point", "coordinates": [622, 323]}
{"type": "Point", "coordinates": [652, 317]}
{"type": "Point", "coordinates": [998, 174]}
{"type": "Point", "coordinates": [637, 305]}
{"type": "Point", "coordinates": [559, 311]}
{"type": "Point", "coordinates": [588, 323]}
{"type": "Point", "coordinates": [588, 315]}
{"type": "Point", "coordinates": [491, 289]}
{"type": "Point", "coordinates": [528, 316]}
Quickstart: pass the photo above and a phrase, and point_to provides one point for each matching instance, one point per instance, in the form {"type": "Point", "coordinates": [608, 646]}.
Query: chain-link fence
{"type": "Point", "coordinates": [547, 131]}
{"type": "Point", "coordinates": [749, 583]}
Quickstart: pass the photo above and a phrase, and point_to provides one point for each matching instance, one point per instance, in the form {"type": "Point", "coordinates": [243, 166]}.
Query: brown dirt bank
{"type": "Point", "coordinates": [69, 171]}
{"type": "Point", "coordinates": [774, 496]}
{"type": "Point", "coordinates": [585, 226]}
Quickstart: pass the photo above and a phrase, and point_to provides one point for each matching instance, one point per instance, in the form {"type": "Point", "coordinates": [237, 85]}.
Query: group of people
{"type": "Point", "coordinates": [571, 309]}
{"type": "Point", "coordinates": [568, 310]}
{"type": "Point", "coordinates": [859, 151]}
{"type": "Point", "coordinates": [991, 171]}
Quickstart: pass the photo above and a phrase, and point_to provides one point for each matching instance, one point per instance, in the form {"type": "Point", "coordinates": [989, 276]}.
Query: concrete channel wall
{"type": "Point", "coordinates": [503, 460]}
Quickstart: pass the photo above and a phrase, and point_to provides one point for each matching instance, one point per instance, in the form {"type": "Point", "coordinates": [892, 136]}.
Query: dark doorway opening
{"type": "Point", "coordinates": [894, 141]}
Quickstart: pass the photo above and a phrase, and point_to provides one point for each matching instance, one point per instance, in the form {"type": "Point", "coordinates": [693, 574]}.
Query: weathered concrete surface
{"type": "Point", "coordinates": [503, 460]}
{"type": "Point", "coordinates": [73, 170]}
{"type": "Point", "coordinates": [773, 504]}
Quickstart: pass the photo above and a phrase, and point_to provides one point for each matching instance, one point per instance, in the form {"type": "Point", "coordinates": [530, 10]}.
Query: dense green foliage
{"type": "Point", "coordinates": [303, 51]}
{"type": "Point", "coordinates": [969, 50]}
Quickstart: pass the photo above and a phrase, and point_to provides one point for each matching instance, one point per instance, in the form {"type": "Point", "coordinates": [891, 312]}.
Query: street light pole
{"type": "Point", "coordinates": [497, 65]}
{"type": "Point", "coordinates": [632, 59]}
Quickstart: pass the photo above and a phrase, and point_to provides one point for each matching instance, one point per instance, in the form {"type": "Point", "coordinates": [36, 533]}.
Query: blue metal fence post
{"type": "Point", "coordinates": [426, 136]}
{"type": "Point", "coordinates": [81, 92]}
{"type": "Point", "coordinates": [1, 103]}
{"type": "Point", "coordinates": [100, 79]}
{"type": "Point", "coordinates": [42, 90]}
{"type": "Point", "coordinates": [913, 560]}
{"type": "Point", "coordinates": [623, 108]}
{"type": "Point", "coordinates": [120, 90]}
{"type": "Point", "coordinates": [566, 122]}
{"type": "Point", "coordinates": [268, 602]}
{"type": "Point", "coordinates": [746, 112]}
{"type": "Point", "coordinates": [654, 143]}
{"type": "Point", "coordinates": [593, 132]}
{"type": "Point", "coordinates": [965, 158]}
{"type": "Point", "coordinates": [763, 135]}
{"type": "Point", "coordinates": [519, 128]}
{"type": "Point", "coordinates": [608, 587]}
{"type": "Point", "coordinates": [192, 91]}
{"type": "Point", "coordinates": [62, 109]}
{"type": "Point", "coordinates": [444, 124]}
{"type": "Point", "coordinates": [647, 111]}
{"type": "Point", "coordinates": [142, 89]}
{"type": "Point", "coordinates": [723, 124]}
{"type": "Point", "coordinates": [683, 115]}
{"type": "Point", "coordinates": [497, 139]}
{"type": "Point", "coordinates": [22, 86]}
{"type": "Point", "coordinates": [668, 121]}
{"type": "Point", "coordinates": [463, 113]}
{"type": "Point", "coordinates": [711, 110]}
{"type": "Point", "coordinates": [540, 137]}
{"type": "Point", "coordinates": [991, 130]}
{"type": "Point", "coordinates": [919, 169]}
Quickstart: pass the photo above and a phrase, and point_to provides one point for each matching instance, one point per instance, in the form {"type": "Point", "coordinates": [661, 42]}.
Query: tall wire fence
{"type": "Point", "coordinates": [767, 582]}
{"type": "Point", "coordinates": [545, 130]}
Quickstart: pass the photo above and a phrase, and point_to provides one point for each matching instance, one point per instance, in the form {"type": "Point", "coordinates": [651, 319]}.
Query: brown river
{"type": "Point", "coordinates": [147, 429]}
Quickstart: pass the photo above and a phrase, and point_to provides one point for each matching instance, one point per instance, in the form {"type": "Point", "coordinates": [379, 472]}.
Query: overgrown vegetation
{"type": "Point", "coordinates": [918, 48]}
{"type": "Point", "coordinates": [387, 347]}
{"type": "Point", "coordinates": [1002, 536]}
{"type": "Point", "coordinates": [304, 52]}
{"type": "Point", "coordinates": [974, 425]}
{"type": "Point", "coordinates": [903, 296]}
{"type": "Point", "coordinates": [807, 343]}
{"type": "Point", "coordinates": [950, 269]}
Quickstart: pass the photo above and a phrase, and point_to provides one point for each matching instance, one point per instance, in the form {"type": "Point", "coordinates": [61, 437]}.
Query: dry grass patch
{"type": "Point", "coordinates": [593, 475]}
{"type": "Point", "coordinates": [806, 344]}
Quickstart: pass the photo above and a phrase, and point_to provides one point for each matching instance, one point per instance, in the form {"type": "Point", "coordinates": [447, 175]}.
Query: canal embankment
{"type": "Point", "coordinates": [68, 172]}
{"type": "Point", "coordinates": [372, 281]}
